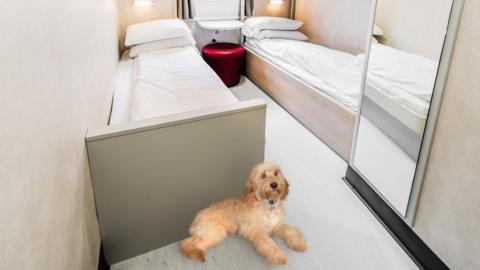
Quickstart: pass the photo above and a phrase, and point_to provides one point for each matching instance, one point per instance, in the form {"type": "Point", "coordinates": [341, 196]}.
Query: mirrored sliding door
{"type": "Point", "coordinates": [403, 61]}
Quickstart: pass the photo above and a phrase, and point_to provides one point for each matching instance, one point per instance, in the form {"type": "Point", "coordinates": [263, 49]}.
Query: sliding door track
{"type": "Point", "coordinates": [411, 243]}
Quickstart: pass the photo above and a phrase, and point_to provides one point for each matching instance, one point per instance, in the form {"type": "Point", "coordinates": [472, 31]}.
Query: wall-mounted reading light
{"type": "Point", "coordinates": [277, 2]}
{"type": "Point", "coordinates": [144, 3]}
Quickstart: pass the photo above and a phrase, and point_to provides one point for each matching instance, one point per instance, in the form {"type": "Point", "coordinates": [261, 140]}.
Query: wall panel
{"type": "Point", "coordinates": [337, 24]}
{"type": "Point", "coordinates": [448, 211]}
{"type": "Point", "coordinates": [264, 8]}
{"type": "Point", "coordinates": [57, 65]}
{"type": "Point", "coordinates": [421, 34]}
{"type": "Point", "coordinates": [131, 14]}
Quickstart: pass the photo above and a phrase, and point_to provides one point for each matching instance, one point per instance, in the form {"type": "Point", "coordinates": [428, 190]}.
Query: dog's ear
{"type": "Point", "coordinates": [249, 193]}
{"type": "Point", "coordinates": [285, 192]}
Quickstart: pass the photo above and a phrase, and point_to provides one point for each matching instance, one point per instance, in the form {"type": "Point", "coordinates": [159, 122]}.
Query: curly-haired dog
{"type": "Point", "coordinates": [256, 216]}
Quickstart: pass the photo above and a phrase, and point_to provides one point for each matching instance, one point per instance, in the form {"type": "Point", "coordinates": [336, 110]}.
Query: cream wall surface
{"type": "Point", "coordinates": [264, 8]}
{"type": "Point", "coordinates": [337, 24]}
{"type": "Point", "coordinates": [448, 216]}
{"type": "Point", "coordinates": [57, 64]}
{"type": "Point", "coordinates": [417, 27]}
{"type": "Point", "coordinates": [131, 14]}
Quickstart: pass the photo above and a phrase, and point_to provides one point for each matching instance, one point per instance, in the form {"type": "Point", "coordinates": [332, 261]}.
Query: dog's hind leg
{"type": "Point", "coordinates": [291, 236]}
{"type": "Point", "coordinates": [203, 237]}
{"type": "Point", "coordinates": [190, 249]}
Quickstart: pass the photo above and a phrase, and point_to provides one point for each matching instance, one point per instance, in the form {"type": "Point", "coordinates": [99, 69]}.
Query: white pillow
{"type": "Point", "coordinates": [156, 30]}
{"type": "Point", "coordinates": [161, 45]}
{"type": "Point", "coordinates": [254, 25]}
{"type": "Point", "coordinates": [377, 31]}
{"type": "Point", "coordinates": [294, 35]}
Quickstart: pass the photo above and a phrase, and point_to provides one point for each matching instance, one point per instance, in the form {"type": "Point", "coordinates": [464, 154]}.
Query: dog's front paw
{"type": "Point", "coordinates": [277, 258]}
{"type": "Point", "coordinates": [298, 244]}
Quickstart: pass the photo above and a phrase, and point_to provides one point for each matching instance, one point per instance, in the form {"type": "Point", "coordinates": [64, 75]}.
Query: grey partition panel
{"type": "Point", "coordinates": [150, 183]}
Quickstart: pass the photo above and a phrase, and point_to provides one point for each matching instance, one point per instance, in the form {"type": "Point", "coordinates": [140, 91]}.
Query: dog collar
{"type": "Point", "coordinates": [272, 204]}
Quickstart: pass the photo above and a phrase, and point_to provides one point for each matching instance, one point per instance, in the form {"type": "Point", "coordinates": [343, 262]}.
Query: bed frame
{"type": "Point", "coordinates": [329, 120]}
{"type": "Point", "coordinates": [150, 177]}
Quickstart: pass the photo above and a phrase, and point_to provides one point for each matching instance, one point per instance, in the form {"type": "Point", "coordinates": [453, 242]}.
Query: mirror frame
{"type": "Point", "coordinates": [432, 117]}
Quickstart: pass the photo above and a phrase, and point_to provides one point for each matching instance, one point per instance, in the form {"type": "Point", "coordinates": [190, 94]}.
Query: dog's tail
{"type": "Point", "coordinates": [190, 249]}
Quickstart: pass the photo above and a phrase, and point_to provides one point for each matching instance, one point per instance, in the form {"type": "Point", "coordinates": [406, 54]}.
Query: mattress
{"type": "Point", "coordinates": [166, 82]}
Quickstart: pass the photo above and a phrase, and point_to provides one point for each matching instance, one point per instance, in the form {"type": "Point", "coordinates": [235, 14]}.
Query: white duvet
{"type": "Point", "coordinates": [173, 81]}
{"type": "Point", "coordinates": [406, 78]}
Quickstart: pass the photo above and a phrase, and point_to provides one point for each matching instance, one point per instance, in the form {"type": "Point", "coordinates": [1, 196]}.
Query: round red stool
{"type": "Point", "coordinates": [227, 60]}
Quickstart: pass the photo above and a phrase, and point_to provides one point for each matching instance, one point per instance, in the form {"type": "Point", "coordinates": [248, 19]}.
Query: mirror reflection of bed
{"type": "Point", "coordinates": [402, 68]}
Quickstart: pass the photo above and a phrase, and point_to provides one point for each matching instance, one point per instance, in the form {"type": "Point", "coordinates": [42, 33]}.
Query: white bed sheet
{"type": "Point", "coordinates": [167, 82]}
{"type": "Point", "coordinates": [338, 74]}
{"type": "Point", "coordinates": [297, 58]}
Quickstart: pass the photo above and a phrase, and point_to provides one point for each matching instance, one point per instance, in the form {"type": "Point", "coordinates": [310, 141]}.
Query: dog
{"type": "Point", "coordinates": [256, 216]}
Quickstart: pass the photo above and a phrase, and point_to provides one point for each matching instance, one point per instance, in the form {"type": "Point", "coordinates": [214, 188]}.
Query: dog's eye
{"type": "Point", "coordinates": [262, 176]}
{"type": "Point", "coordinates": [276, 173]}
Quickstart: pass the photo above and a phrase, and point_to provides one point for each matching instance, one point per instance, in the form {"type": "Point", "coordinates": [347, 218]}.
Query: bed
{"type": "Point", "coordinates": [309, 77]}
{"type": "Point", "coordinates": [163, 84]}
{"type": "Point", "coordinates": [177, 140]}
{"type": "Point", "coordinates": [329, 114]}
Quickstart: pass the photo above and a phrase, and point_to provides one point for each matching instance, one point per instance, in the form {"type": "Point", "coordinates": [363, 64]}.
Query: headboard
{"type": "Point", "coordinates": [337, 24]}
{"type": "Point", "coordinates": [128, 13]}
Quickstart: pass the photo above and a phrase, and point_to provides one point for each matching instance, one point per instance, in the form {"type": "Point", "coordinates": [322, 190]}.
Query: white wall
{"type": "Point", "coordinates": [448, 217]}
{"type": "Point", "coordinates": [414, 26]}
{"type": "Point", "coordinates": [57, 63]}
{"type": "Point", "coordinates": [337, 24]}
{"type": "Point", "coordinates": [131, 14]}
{"type": "Point", "coordinates": [264, 8]}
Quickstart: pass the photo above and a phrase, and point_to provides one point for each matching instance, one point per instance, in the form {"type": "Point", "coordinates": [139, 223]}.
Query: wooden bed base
{"type": "Point", "coordinates": [329, 120]}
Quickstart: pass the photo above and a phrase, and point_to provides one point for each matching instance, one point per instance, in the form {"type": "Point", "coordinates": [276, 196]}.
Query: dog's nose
{"type": "Point", "coordinates": [274, 185]}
